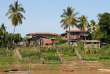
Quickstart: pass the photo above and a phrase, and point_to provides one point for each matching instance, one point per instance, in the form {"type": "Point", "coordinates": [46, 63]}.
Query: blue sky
{"type": "Point", "coordinates": [44, 15]}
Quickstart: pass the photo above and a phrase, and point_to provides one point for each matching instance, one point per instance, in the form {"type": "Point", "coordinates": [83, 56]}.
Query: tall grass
{"type": "Point", "coordinates": [51, 56]}
{"type": "Point", "coordinates": [30, 52]}
{"type": "Point", "coordinates": [66, 48]}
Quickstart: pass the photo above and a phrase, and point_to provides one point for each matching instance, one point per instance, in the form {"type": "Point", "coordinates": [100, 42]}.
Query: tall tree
{"type": "Point", "coordinates": [2, 34]}
{"type": "Point", "coordinates": [3, 28]}
{"type": "Point", "coordinates": [97, 35]}
{"type": "Point", "coordinates": [83, 23]}
{"type": "Point", "coordinates": [69, 19]}
{"type": "Point", "coordinates": [104, 23]}
{"type": "Point", "coordinates": [15, 14]}
{"type": "Point", "coordinates": [93, 26]}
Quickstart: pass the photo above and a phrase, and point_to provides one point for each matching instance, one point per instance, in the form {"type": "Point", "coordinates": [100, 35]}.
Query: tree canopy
{"type": "Point", "coordinates": [15, 14]}
{"type": "Point", "coordinates": [104, 23]}
{"type": "Point", "coordinates": [69, 19]}
{"type": "Point", "coordinates": [83, 22]}
{"type": "Point", "coordinates": [5, 37]}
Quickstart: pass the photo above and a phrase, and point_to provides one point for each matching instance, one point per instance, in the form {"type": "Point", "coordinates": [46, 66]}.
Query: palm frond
{"type": "Point", "coordinates": [11, 16]}
{"type": "Point", "coordinates": [15, 15]}
{"type": "Point", "coordinates": [76, 13]}
{"type": "Point", "coordinates": [21, 9]}
{"type": "Point", "coordinates": [21, 16]}
{"type": "Point", "coordinates": [69, 18]}
{"type": "Point", "coordinates": [19, 6]}
{"type": "Point", "coordinates": [8, 13]}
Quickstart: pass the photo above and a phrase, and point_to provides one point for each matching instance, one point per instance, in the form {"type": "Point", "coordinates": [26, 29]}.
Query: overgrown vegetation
{"type": "Point", "coordinates": [99, 31]}
{"type": "Point", "coordinates": [95, 54]}
{"type": "Point", "coordinates": [66, 49]}
{"type": "Point", "coordinates": [50, 55]}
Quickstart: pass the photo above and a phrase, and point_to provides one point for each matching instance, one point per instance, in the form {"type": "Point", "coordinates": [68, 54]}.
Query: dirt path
{"type": "Point", "coordinates": [81, 62]}
{"type": "Point", "coordinates": [58, 53]}
{"type": "Point", "coordinates": [93, 64]}
{"type": "Point", "coordinates": [17, 53]}
{"type": "Point", "coordinates": [80, 57]}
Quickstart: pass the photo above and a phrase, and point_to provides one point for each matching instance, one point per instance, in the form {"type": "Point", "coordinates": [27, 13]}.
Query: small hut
{"type": "Point", "coordinates": [91, 43]}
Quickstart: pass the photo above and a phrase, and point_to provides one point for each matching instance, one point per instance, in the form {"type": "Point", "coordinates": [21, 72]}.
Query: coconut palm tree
{"type": "Point", "coordinates": [83, 23]}
{"type": "Point", "coordinates": [93, 26]}
{"type": "Point", "coordinates": [69, 19]}
{"type": "Point", "coordinates": [3, 28]}
{"type": "Point", "coordinates": [15, 14]}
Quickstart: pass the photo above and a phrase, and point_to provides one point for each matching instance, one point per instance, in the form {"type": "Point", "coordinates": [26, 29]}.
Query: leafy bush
{"type": "Point", "coordinates": [60, 40]}
{"type": "Point", "coordinates": [3, 52]}
{"type": "Point", "coordinates": [80, 45]}
{"type": "Point", "coordinates": [52, 49]}
{"type": "Point", "coordinates": [7, 60]}
{"type": "Point", "coordinates": [104, 57]}
{"type": "Point", "coordinates": [66, 48]}
{"type": "Point", "coordinates": [29, 53]}
{"type": "Point", "coordinates": [87, 51]}
{"type": "Point", "coordinates": [107, 47]}
{"type": "Point", "coordinates": [90, 57]}
{"type": "Point", "coordinates": [51, 56]}
{"type": "Point", "coordinates": [91, 51]}
{"type": "Point", "coordinates": [43, 50]}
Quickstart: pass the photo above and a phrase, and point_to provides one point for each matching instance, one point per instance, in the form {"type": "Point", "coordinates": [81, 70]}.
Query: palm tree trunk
{"type": "Point", "coordinates": [69, 35]}
{"type": "Point", "coordinates": [8, 51]}
{"type": "Point", "coordinates": [13, 33]}
{"type": "Point", "coordinates": [14, 29]}
{"type": "Point", "coordinates": [84, 35]}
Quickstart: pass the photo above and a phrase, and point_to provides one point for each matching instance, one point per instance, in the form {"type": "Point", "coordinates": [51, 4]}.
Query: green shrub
{"type": "Point", "coordinates": [104, 57]}
{"type": "Point", "coordinates": [52, 49]}
{"type": "Point", "coordinates": [80, 45]}
{"type": "Point", "coordinates": [66, 48]}
{"type": "Point", "coordinates": [51, 56]}
{"type": "Point", "coordinates": [6, 60]}
{"type": "Point", "coordinates": [60, 40]}
{"type": "Point", "coordinates": [3, 52]}
{"type": "Point", "coordinates": [87, 51]}
{"type": "Point", "coordinates": [29, 53]}
{"type": "Point", "coordinates": [43, 50]}
{"type": "Point", "coordinates": [107, 47]}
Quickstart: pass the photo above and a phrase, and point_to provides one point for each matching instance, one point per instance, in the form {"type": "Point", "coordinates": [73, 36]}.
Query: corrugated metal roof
{"type": "Point", "coordinates": [42, 34]}
{"type": "Point", "coordinates": [76, 31]}
{"type": "Point", "coordinates": [91, 40]}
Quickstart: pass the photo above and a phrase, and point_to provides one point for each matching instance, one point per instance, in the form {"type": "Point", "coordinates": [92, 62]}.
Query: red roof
{"type": "Point", "coordinates": [91, 40]}
{"type": "Point", "coordinates": [76, 31]}
{"type": "Point", "coordinates": [42, 34]}
{"type": "Point", "coordinates": [47, 41]}
{"type": "Point", "coordinates": [64, 33]}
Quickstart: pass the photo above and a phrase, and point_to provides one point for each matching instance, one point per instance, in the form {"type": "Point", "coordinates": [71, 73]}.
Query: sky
{"type": "Point", "coordinates": [44, 15]}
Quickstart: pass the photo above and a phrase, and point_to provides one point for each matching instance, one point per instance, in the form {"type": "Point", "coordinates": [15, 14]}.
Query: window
{"type": "Point", "coordinates": [74, 43]}
{"type": "Point", "coordinates": [74, 37]}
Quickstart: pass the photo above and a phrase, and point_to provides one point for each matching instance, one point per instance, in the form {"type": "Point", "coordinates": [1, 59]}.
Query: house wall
{"type": "Point", "coordinates": [92, 45]}
{"type": "Point", "coordinates": [80, 33]}
{"type": "Point", "coordinates": [84, 33]}
{"type": "Point", "coordinates": [73, 43]}
{"type": "Point", "coordinates": [75, 35]}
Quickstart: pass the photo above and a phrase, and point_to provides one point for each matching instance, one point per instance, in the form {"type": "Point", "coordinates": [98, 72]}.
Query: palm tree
{"type": "Point", "coordinates": [83, 23]}
{"type": "Point", "coordinates": [69, 19]}
{"type": "Point", "coordinates": [93, 26]}
{"type": "Point", "coordinates": [3, 28]}
{"type": "Point", "coordinates": [15, 14]}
